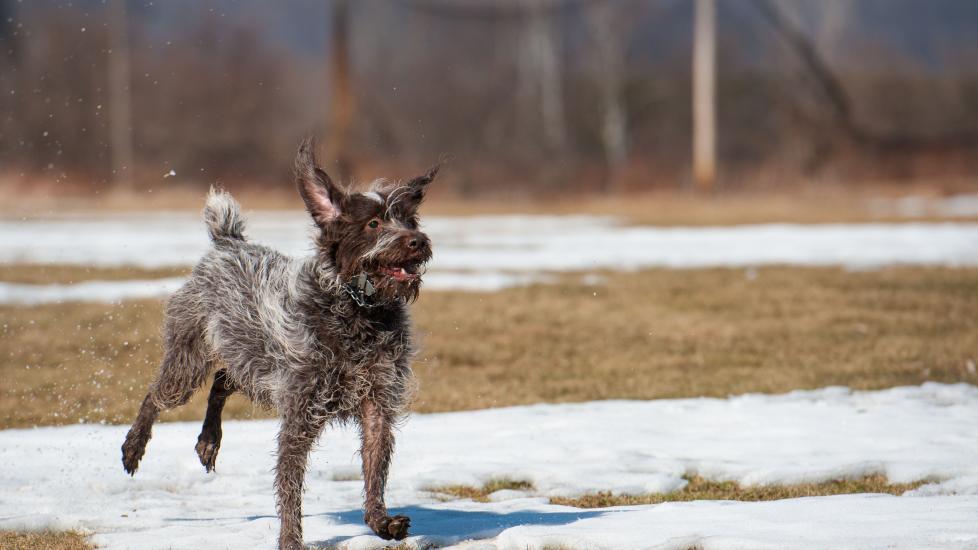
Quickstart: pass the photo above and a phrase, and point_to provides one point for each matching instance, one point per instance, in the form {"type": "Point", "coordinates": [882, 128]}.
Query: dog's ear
{"type": "Point", "coordinates": [416, 189]}
{"type": "Point", "coordinates": [323, 198]}
{"type": "Point", "coordinates": [419, 185]}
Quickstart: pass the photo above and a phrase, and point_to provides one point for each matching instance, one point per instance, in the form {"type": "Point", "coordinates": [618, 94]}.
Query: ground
{"type": "Point", "coordinates": [585, 335]}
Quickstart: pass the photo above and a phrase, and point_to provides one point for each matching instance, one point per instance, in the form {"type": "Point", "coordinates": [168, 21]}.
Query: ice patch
{"type": "Point", "coordinates": [70, 477]}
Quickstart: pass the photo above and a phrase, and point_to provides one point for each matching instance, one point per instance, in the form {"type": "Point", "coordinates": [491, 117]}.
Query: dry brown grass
{"type": "Point", "coordinates": [698, 488]}
{"type": "Point", "coordinates": [644, 335]}
{"type": "Point", "coordinates": [671, 208]}
{"type": "Point", "coordinates": [66, 274]}
{"type": "Point", "coordinates": [481, 494]}
{"type": "Point", "coordinates": [44, 540]}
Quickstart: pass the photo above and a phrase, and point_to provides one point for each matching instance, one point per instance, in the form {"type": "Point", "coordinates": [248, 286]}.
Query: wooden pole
{"type": "Point", "coordinates": [120, 96]}
{"type": "Point", "coordinates": [704, 95]}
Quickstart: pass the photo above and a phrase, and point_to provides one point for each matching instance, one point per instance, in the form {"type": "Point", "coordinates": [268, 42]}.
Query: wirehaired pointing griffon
{"type": "Point", "coordinates": [322, 339]}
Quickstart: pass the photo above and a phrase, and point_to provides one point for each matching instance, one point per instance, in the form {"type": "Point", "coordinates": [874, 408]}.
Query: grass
{"type": "Point", "coordinates": [66, 274]}
{"type": "Point", "coordinates": [826, 204]}
{"type": "Point", "coordinates": [697, 488]}
{"type": "Point", "coordinates": [44, 540]}
{"type": "Point", "coordinates": [481, 494]}
{"type": "Point", "coordinates": [643, 335]}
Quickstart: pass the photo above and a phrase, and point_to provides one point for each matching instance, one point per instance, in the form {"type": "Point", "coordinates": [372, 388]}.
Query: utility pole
{"type": "Point", "coordinates": [704, 95]}
{"type": "Point", "coordinates": [120, 97]}
{"type": "Point", "coordinates": [341, 97]}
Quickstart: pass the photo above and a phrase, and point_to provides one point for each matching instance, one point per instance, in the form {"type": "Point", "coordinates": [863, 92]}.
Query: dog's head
{"type": "Point", "coordinates": [374, 233]}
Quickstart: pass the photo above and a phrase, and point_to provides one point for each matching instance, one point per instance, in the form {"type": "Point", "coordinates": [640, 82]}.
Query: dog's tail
{"type": "Point", "coordinates": [223, 217]}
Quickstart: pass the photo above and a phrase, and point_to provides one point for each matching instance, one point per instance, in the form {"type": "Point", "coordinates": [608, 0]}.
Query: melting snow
{"type": "Point", "coordinates": [506, 250]}
{"type": "Point", "coordinates": [70, 477]}
{"type": "Point", "coordinates": [955, 206]}
{"type": "Point", "coordinates": [88, 291]}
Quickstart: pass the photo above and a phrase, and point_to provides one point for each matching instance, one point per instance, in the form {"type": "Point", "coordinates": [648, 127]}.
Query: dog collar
{"type": "Point", "coordinates": [361, 291]}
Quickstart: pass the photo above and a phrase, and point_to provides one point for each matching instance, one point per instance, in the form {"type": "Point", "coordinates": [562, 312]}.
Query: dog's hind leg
{"type": "Point", "coordinates": [182, 372]}
{"type": "Point", "coordinates": [209, 440]}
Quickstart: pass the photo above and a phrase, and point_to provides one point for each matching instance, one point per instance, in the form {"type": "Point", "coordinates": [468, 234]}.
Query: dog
{"type": "Point", "coordinates": [324, 339]}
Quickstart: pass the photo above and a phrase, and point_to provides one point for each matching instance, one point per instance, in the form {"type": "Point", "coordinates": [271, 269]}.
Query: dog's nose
{"type": "Point", "coordinates": [416, 241]}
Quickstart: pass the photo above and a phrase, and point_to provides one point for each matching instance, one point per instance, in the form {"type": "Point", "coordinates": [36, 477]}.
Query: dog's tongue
{"type": "Point", "coordinates": [398, 273]}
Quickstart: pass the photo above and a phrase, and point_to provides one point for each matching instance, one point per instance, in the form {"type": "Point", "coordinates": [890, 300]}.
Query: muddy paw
{"type": "Point", "coordinates": [132, 452]}
{"type": "Point", "coordinates": [207, 446]}
{"type": "Point", "coordinates": [393, 527]}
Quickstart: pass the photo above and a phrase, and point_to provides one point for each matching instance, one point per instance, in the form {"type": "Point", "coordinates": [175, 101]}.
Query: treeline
{"type": "Point", "coordinates": [527, 95]}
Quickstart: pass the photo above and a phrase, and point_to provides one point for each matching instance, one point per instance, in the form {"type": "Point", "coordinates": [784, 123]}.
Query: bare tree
{"type": "Point", "coordinates": [840, 102]}
{"type": "Point", "coordinates": [609, 67]}
{"type": "Point", "coordinates": [342, 101]}
{"type": "Point", "coordinates": [540, 71]}
{"type": "Point", "coordinates": [120, 106]}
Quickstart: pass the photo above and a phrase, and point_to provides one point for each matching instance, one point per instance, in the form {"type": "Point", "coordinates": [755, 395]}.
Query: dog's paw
{"type": "Point", "coordinates": [391, 527]}
{"type": "Point", "coordinates": [132, 452]}
{"type": "Point", "coordinates": [207, 446]}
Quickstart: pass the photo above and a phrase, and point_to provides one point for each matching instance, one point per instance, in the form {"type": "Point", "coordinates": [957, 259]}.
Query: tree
{"type": "Point", "coordinates": [120, 106]}
{"type": "Point", "coordinates": [609, 66]}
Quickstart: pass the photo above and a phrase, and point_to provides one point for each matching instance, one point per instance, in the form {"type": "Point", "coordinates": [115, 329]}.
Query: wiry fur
{"type": "Point", "coordinates": [286, 333]}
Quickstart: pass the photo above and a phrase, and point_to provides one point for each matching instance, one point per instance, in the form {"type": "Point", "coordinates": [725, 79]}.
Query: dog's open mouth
{"type": "Point", "coordinates": [404, 272]}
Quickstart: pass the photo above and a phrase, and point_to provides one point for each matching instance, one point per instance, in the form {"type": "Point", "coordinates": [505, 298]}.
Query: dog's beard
{"type": "Point", "coordinates": [390, 288]}
{"type": "Point", "coordinates": [392, 280]}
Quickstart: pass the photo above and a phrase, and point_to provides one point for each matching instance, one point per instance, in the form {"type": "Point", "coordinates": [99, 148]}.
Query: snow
{"type": "Point", "coordinates": [504, 243]}
{"type": "Point", "coordinates": [915, 206]}
{"type": "Point", "coordinates": [117, 291]}
{"type": "Point", "coordinates": [475, 253]}
{"type": "Point", "coordinates": [88, 291]}
{"type": "Point", "coordinates": [909, 433]}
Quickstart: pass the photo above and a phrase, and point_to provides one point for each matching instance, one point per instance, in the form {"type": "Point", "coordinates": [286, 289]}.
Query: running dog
{"type": "Point", "coordinates": [324, 339]}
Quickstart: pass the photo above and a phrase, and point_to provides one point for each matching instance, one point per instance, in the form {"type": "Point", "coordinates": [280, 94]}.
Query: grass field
{"type": "Point", "coordinates": [649, 334]}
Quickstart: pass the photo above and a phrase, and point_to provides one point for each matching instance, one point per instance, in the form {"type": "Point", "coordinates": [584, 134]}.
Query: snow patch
{"type": "Point", "coordinates": [507, 250]}
{"type": "Point", "coordinates": [500, 243]}
{"type": "Point", "coordinates": [87, 291]}
{"type": "Point", "coordinates": [909, 433]}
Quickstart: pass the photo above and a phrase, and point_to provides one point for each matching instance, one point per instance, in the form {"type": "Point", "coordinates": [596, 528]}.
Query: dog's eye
{"type": "Point", "coordinates": [374, 224]}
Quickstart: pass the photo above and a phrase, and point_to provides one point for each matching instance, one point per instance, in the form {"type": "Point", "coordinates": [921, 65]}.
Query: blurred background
{"type": "Point", "coordinates": [645, 199]}
{"type": "Point", "coordinates": [529, 97]}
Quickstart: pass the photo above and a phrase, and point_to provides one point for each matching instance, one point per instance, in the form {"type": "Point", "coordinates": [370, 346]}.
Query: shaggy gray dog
{"type": "Point", "coordinates": [322, 339]}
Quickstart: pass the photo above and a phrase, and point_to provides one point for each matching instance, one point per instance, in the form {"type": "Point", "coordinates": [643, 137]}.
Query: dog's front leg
{"type": "Point", "coordinates": [377, 445]}
{"type": "Point", "coordinates": [295, 439]}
